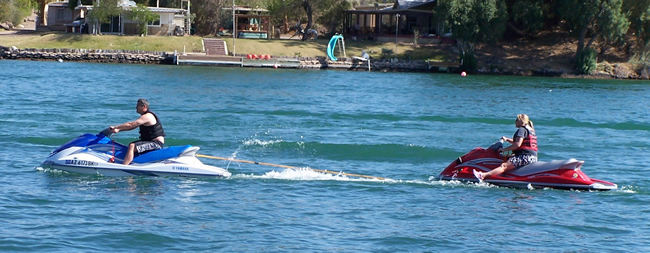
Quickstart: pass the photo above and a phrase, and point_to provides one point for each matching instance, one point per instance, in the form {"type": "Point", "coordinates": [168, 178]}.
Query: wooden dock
{"type": "Point", "coordinates": [208, 60]}
{"type": "Point", "coordinates": [271, 63]}
{"type": "Point", "coordinates": [234, 61]}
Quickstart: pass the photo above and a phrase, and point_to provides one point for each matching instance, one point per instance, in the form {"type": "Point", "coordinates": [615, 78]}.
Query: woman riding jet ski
{"type": "Point", "coordinates": [98, 154]}
{"type": "Point", "coordinates": [521, 169]}
{"type": "Point", "coordinates": [523, 146]}
{"type": "Point", "coordinates": [558, 174]}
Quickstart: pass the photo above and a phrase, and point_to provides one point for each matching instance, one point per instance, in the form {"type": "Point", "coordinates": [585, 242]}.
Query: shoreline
{"type": "Point", "coordinates": [350, 64]}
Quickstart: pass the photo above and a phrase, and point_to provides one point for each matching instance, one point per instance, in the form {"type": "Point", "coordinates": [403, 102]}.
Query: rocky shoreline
{"type": "Point", "coordinates": [384, 65]}
{"type": "Point", "coordinates": [85, 55]}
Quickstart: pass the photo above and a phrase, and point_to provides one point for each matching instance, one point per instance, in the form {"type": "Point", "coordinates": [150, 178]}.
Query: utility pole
{"type": "Point", "coordinates": [188, 20]}
{"type": "Point", "coordinates": [396, 30]}
{"type": "Point", "coordinates": [234, 29]}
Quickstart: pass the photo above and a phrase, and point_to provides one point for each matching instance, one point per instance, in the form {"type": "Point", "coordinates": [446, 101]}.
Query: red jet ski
{"type": "Point", "coordinates": [557, 174]}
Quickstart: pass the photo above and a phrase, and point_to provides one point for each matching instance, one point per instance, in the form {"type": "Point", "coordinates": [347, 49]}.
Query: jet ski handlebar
{"type": "Point", "coordinates": [107, 132]}
{"type": "Point", "coordinates": [497, 146]}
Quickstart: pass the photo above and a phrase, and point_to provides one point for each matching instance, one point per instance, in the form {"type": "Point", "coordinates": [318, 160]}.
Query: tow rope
{"type": "Point", "coordinates": [289, 167]}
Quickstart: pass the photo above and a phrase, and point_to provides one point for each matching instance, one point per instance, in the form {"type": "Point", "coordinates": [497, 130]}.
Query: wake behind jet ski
{"type": "Point", "coordinates": [98, 154]}
{"type": "Point", "coordinates": [558, 174]}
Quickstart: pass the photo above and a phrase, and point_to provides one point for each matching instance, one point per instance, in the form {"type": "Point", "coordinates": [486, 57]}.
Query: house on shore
{"type": "Point", "coordinates": [170, 21]}
{"type": "Point", "coordinates": [57, 14]}
{"type": "Point", "coordinates": [397, 22]}
{"type": "Point", "coordinates": [253, 23]}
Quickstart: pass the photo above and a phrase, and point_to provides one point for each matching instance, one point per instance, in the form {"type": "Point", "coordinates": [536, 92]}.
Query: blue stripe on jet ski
{"type": "Point", "coordinates": [140, 173]}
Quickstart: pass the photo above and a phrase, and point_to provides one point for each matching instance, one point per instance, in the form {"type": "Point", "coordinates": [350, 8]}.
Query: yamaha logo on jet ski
{"type": "Point", "coordinates": [81, 163]}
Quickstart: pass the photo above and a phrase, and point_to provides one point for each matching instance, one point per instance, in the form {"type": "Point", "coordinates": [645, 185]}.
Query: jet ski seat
{"type": "Point", "coordinates": [161, 154]}
{"type": "Point", "coordinates": [537, 167]}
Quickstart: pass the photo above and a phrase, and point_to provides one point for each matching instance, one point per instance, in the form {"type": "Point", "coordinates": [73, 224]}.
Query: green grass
{"type": "Point", "coordinates": [193, 44]}
{"type": "Point", "coordinates": [78, 41]}
{"type": "Point", "coordinates": [352, 48]}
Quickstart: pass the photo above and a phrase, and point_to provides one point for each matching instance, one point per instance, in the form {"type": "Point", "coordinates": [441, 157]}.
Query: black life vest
{"type": "Point", "coordinates": [148, 133]}
{"type": "Point", "coordinates": [530, 141]}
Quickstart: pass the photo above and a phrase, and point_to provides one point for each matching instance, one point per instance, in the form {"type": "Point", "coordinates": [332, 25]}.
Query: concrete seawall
{"type": "Point", "coordinates": [149, 57]}
{"type": "Point", "coordinates": [383, 65]}
{"type": "Point", "coordinates": [86, 55]}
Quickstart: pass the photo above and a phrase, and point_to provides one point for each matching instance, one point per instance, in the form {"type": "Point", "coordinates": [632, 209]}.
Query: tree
{"type": "Point", "coordinates": [14, 11]}
{"type": "Point", "coordinates": [526, 16]}
{"type": "Point", "coordinates": [142, 15]}
{"type": "Point", "coordinates": [5, 6]}
{"type": "Point", "coordinates": [333, 14]}
{"type": "Point", "coordinates": [473, 21]}
{"type": "Point", "coordinates": [102, 12]}
{"type": "Point", "coordinates": [329, 12]}
{"type": "Point", "coordinates": [639, 11]}
{"type": "Point", "coordinates": [255, 3]}
{"type": "Point", "coordinates": [207, 13]}
{"type": "Point", "coordinates": [307, 6]}
{"type": "Point", "coordinates": [593, 18]}
{"type": "Point", "coordinates": [285, 12]}
{"type": "Point", "coordinates": [326, 12]}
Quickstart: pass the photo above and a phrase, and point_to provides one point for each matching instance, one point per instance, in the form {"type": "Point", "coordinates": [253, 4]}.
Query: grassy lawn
{"type": "Point", "coordinates": [78, 41]}
{"type": "Point", "coordinates": [191, 44]}
{"type": "Point", "coordinates": [352, 48]}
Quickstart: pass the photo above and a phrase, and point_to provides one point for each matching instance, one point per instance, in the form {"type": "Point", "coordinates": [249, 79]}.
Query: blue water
{"type": "Point", "coordinates": [405, 127]}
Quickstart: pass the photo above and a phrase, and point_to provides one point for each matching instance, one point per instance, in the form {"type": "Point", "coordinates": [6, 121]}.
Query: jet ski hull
{"type": "Point", "coordinates": [557, 174]}
{"type": "Point", "coordinates": [89, 154]}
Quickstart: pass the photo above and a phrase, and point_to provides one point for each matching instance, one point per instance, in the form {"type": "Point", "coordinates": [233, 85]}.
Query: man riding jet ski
{"type": "Point", "coordinates": [152, 134]}
{"type": "Point", "coordinates": [98, 154]}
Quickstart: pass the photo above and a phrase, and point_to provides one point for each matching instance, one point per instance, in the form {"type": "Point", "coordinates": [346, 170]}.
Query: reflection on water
{"type": "Point", "coordinates": [135, 186]}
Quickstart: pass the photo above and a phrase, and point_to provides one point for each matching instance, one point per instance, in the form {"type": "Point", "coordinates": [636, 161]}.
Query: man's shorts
{"type": "Point", "coordinates": [142, 147]}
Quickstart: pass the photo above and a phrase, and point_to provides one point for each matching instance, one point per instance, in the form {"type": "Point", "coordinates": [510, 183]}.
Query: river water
{"type": "Point", "coordinates": [405, 127]}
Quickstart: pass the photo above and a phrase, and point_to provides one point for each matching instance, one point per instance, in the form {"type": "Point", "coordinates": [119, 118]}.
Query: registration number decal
{"type": "Point", "coordinates": [80, 162]}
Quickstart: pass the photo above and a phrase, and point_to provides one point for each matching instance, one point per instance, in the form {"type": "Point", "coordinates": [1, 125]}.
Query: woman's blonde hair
{"type": "Point", "coordinates": [524, 118]}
